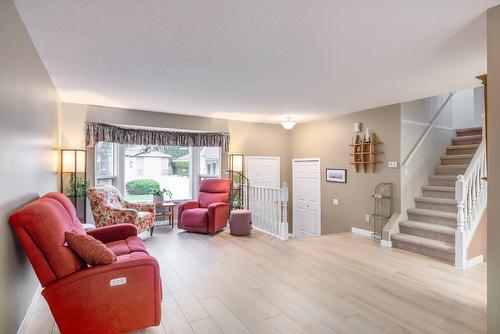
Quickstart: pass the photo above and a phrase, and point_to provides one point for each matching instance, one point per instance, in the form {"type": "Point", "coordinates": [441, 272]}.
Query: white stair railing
{"type": "Point", "coordinates": [471, 197]}
{"type": "Point", "coordinates": [269, 207]}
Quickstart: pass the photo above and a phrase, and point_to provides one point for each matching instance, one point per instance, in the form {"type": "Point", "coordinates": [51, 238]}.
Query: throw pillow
{"type": "Point", "coordinates": [89, 249]}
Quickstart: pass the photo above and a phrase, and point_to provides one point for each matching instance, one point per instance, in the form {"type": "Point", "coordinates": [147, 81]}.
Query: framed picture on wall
{"type": "Point", "coordinates": [336, 175]}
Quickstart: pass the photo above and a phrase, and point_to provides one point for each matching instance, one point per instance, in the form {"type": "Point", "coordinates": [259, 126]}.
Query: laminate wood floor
{"type": "Point", "coordinates": [340, 283]}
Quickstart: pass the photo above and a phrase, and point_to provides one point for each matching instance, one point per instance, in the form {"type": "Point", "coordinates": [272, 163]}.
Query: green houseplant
{"type": "Point", "coordinates": [158, 195]}
{"type": "Point", "coordinates": [77, 188]}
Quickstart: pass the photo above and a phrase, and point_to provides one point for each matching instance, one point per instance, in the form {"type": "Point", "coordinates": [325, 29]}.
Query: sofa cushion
{"type": "Point", "coordinates": [90, 249]}
{"type": "Point", "coordinates": [127, 246]}
{"type": "Point", "coordinates": [195, 218]}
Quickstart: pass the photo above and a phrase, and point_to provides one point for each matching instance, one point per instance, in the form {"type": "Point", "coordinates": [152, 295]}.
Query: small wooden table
{"type": "Point", "coordinates": [166, 209]}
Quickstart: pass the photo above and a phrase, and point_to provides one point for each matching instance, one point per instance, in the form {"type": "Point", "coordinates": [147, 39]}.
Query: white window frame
{"type": "Point", "coordinates": [194, 170]}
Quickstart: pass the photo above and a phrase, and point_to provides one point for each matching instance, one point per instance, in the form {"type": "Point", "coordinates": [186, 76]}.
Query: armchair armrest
{"type": "Point", "coordinates": [218, 214]}
{"type": "Point", "coordinates": [113, 232]}
{"type": "Point", "coordinates": [101, 302]}
{"type": "Point", "coordinates": [146, 207]}
{"type": "Point", "coordinates": [186, 206]}
{"type": "Point", "coordinates": [124, 215]}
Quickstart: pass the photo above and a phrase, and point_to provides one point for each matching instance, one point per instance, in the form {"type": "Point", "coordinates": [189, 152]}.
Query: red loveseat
{"type": "Point", "coordinates": [210, 212]}
{"type": "Point", "coordinates": [86, 299]}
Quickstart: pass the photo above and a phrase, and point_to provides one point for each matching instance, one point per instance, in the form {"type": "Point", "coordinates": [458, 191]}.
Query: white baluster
{"type": "Point", "coordinates": [284, 212]}
{"type": "Point", "coordinates": [460, 232]}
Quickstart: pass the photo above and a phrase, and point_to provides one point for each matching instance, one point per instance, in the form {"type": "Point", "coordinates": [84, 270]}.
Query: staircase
{"type": "Point", "coordinates": [431, 226]}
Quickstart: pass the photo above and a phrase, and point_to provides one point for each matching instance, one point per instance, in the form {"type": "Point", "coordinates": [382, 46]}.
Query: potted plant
{"type": "Point", "coordinates": [78, 188]}
{"type": "Point", "coordinates": [158, 195]}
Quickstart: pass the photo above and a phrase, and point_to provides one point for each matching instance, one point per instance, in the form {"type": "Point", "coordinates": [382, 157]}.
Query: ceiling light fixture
{"type": "Point", "coordinates": [288, 124]}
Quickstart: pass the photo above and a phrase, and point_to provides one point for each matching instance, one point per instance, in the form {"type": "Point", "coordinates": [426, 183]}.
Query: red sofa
{"type": "Point", "coordinates": [210, 212]}
{"type": "Point", "coordinates": [82, 298]}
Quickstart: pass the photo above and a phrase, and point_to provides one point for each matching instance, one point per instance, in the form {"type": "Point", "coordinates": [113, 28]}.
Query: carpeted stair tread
{"type": "Point", "coordinates": [460, 132]}
{"type": "Point", "coordinates": [436, 200]}
{"type": "Point", "coordinates": [433, 213]}
{"type": "Point", "coordinates": [458, 156]}
{"type": "Point", "coordinates": [438, 188]}
{"type": "Point", "coordinates": [443, 229]}
{"type": "Point", "coordinates": [425, 242]}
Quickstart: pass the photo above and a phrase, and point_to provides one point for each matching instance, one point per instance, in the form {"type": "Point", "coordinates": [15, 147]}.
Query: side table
{"type": "Point", "coordinates": [167, 210]}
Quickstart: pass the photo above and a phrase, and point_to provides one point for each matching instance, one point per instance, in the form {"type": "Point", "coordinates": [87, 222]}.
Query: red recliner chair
{"type": "Point", "coordinates": [210, 212]}
{"type": "Point", "coordinates": [117, 298]}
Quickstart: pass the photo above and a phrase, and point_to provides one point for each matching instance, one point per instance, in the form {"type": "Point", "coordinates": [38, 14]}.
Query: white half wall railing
{"type": "Point", "coordinates": [471, 196]}
{"type": "Point", "coordinates": [269, 207]}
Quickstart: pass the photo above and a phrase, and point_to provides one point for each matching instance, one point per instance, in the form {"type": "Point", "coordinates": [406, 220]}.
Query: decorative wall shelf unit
{"type": "Point", "coordinates": [364, 153]}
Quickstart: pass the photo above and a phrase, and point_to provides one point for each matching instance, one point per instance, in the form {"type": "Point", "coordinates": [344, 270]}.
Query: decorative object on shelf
{"type": "Point", "coordinates": [73, 181]}
{"type": "Point", "coordinates": [356, 127]}
{"type": "Point", "coordinates": [365, 152]}
{"type": "Point", "coordinates": [159, 195]}
{"type": "Point", "coordinates": [367, 135]}
{"type": "Point", "coordinates": [336, 175]}
{"type": "Point", "coordinates": [382, 208]}
{"type": "Point", "coordinates": [288, 124]}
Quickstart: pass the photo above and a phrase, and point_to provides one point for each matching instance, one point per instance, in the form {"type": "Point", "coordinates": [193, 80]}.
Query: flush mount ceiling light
{"type": "Point", "coordinates": [288, 124]}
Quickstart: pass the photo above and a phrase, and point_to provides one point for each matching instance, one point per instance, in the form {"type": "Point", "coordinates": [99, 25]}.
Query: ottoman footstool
{"type": "Point", "coordinates": [240, 222]}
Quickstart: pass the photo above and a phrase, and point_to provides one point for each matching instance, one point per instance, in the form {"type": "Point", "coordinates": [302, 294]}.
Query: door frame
{"type": "Point", "coordinates": [294, 207]}
{"type": "Point", "coordinates": [264, 157]}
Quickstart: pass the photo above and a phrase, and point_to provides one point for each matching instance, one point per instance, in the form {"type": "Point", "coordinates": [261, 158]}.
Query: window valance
{"type": "Point", "coordinates": [96, 132]}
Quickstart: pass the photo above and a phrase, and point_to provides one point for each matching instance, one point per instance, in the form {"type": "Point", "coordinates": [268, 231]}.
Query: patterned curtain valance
{"type": "Point", "coordinates": [96, 132]}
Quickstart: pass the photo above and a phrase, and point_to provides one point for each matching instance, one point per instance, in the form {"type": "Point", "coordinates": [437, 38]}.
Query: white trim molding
{"type": "Point", "coordinates": [475, 261]}
{"type": "Point", "coordinates": [385, 243]}
{"type": "Point", "coordinates": [362, 232]}
{"type": "Point", "coordinates": [30, 311]}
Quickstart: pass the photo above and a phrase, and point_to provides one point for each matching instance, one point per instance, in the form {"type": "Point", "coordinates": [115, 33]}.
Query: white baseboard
{"type": "Point", "coordinates": [385, 243]}
{"type": "Point", "coordinates": [30, 310]}
{"type": "Point", "coordinates": [360, 231]}
{"type": "Point", "coordinates": [475, 261]}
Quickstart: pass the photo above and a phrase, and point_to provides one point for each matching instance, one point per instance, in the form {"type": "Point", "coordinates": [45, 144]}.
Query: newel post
{"type": "Point", "coordinates": [283, 232]}
{"type": "Point", "coordinates": [460, 239]}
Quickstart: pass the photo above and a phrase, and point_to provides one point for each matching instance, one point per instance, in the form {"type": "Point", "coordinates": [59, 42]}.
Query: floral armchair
{"type": "Point", "coordinates": [109, 208]}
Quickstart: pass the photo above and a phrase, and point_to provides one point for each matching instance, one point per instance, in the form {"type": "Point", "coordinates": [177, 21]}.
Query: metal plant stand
{"type": "Point", "coordinates": [382, 210]}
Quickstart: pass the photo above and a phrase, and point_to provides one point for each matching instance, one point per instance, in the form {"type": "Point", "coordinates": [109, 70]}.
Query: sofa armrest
{"type": "Point", "coordinates": [218, 213]}
{"type": "Point", "coordinates": [113, 232]}
{"type": "Point", "coordinates": [119, 297]}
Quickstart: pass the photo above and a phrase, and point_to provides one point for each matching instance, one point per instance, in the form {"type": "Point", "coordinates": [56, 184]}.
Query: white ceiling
{"type": "Point", "coordinates": [257, 60]}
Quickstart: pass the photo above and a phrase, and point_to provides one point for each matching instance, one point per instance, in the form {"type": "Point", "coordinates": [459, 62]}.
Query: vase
{"type": "Point", "coordinates": [158, 199]}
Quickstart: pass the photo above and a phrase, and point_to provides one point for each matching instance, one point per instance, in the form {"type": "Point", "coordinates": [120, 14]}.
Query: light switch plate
{"type": "Point", "coordinates": [367, 218]}
{"type": "Point", "coordinates": [335, 201]}
{"type": "Point", "coordinates": [392, 164]}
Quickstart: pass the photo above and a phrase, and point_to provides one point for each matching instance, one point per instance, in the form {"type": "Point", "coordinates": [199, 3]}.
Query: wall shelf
{"type": "Point", "coordinates": [364, 153]}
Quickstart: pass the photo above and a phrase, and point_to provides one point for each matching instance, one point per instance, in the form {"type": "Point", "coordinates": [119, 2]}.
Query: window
{"type": "Point", "coordinates": [105, 163]}
{"type": "Point", "coordinates": [143, 168]}
{"type": "Point", "coordinates": [149, 167]}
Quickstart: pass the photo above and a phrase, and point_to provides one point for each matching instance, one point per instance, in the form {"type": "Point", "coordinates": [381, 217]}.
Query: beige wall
{"type": "Point", "coordinates": [478, 245]}
{"type": "Point", "coordinates": [329, 140]}
{"type": "Point", "coordinates": [28, 133]}
{"type": "Point", "coordinates": [493, 169]}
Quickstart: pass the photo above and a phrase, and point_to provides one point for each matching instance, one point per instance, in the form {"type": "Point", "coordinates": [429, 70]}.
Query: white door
{"type": "Point", "coordinates": [306, 198]}
{"type": "Point", "coordinates": [263, 171]}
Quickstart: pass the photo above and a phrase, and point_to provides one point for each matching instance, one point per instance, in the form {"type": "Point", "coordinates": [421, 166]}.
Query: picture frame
{"type": "Point", "coordinates": [336, 175]}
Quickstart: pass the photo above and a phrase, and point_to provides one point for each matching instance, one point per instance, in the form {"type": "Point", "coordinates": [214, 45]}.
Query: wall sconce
{"type": "Point", "coordinates": [73, 163]}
